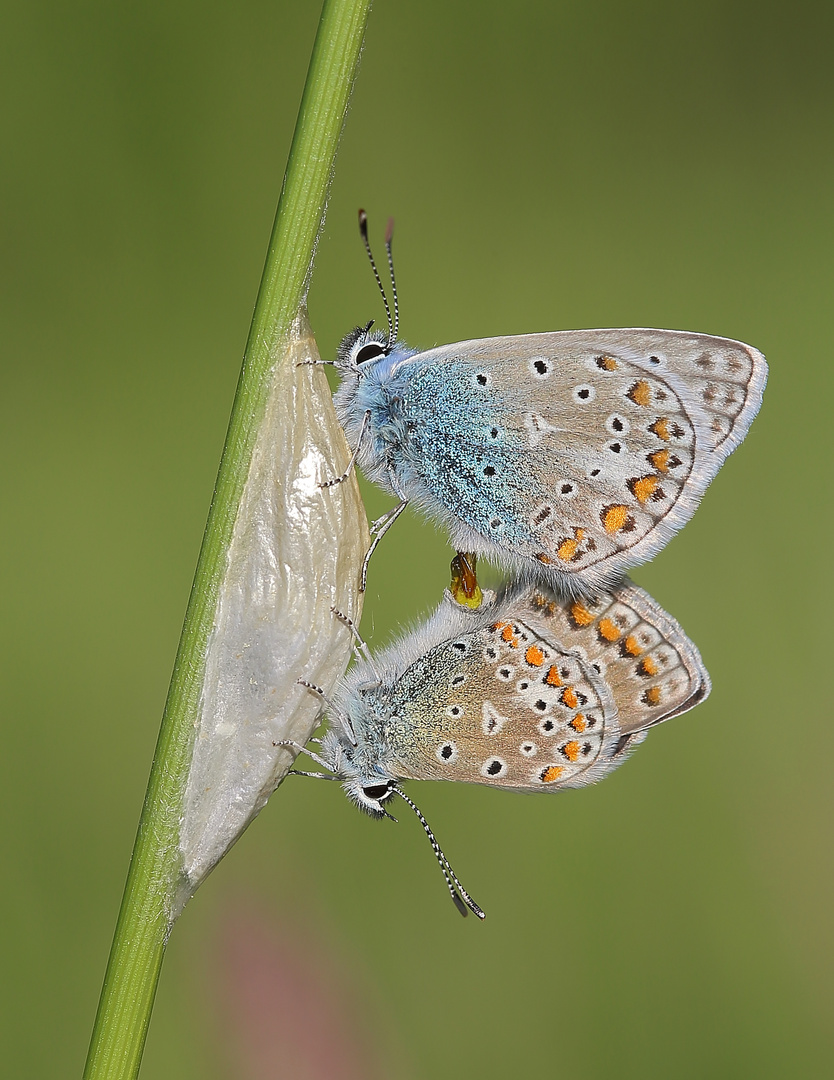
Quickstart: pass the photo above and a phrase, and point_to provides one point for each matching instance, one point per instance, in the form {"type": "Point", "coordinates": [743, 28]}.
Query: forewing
{"type": "Point", "coordinates": [580, 449]}
{"type": "Point", "coordinates": [501, 706]}
{"type": "Point", "coordinates": [725, 378]}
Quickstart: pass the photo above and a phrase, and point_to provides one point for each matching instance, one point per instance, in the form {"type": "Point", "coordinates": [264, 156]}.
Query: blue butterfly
{"type": "Point", "coordinates": [567, 457]}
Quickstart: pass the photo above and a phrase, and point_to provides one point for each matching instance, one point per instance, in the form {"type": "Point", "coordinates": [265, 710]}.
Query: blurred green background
{"type": "Point", "coordinates": [549, 166]}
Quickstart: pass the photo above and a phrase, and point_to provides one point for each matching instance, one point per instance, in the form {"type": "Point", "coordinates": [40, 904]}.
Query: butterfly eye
{"type": "Point", "coordinates": [376, 791]}
{"type": "Point", "coordinates": [372, 351]}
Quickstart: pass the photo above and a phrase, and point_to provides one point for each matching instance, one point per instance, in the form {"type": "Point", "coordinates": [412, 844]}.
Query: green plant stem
{"type": "Point", "coordinates": [145, 918]}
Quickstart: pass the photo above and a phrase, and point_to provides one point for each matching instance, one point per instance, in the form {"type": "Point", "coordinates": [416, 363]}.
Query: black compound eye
{"type": "Point", "coordinates": [371, 351]}
{"type": "Point", "coordinates": [377, 791]}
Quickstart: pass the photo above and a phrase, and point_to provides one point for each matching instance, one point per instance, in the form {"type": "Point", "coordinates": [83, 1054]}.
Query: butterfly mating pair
{"type": "Point", "coordinates": [567, 457]}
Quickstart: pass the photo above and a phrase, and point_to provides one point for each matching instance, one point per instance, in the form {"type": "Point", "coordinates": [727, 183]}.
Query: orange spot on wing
{"type": "Point", "coordinates": [578, 723]}
{"type": "Point", "coordinates": [647, 666]}
{"type": "Point", "coordinates": [631, 647]}
{"type": "Point", "coordinates": [643, 487]}
{"type": "Point", "coordinates": [551, 773]}
{"type": "Point", "coordinates": [607, 363]}
{"type": "Point", "coordinates": [607, 630]}
{"type": "Point", "coordinates": [614, 517]}
{"type": "Point", "coordinates": [543, 604]}
{"type": "Point", "coordinates": [652, 695]}
{"type": "Point", "coordinates": [571, 750]}
{"type": "Point", "coordinates": [661, 428]}
{"type": "Point", "coordinates": [580, 614]}
{"type": "Point", "coordinates": [552, 677]}
{"type": "Point", "coordinates": [534, 656]}
{"type": "Point", "coordinates": [640, 393]}
{"type": "Point", "coordinates": [569, 546]}
{"type": "Point", "coordinates": [660, 460]}
{"type": "Point", "coordinates": [507, 632]}
{"type": "Point", "coordinates": [569, 697]}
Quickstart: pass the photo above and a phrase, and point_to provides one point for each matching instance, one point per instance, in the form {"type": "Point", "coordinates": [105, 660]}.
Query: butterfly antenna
{"type": "Point", "coordinates": [389, 239]}
{"type": "Point", "coordinates": [363, 230]}
{"type": "Point", "coordinates": [460, 896]}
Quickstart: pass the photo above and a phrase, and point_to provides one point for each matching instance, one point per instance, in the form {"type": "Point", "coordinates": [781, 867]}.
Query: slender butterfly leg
{"type": "Point", "coordinates": [299, 749]}
{"type": "Point", "coordinates": [360, 645]}
{"type": "Point", "coordinates": [379, 528]}
{"type": "Point", "coordinates": [350, 465]}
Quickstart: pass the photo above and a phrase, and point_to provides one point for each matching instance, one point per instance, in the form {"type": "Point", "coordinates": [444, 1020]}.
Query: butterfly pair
{"type": "Point", "coordinates": [567, 457]}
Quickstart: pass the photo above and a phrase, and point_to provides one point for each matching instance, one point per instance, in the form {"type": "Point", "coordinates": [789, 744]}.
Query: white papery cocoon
{"type": "Point", "coordinates": [297, 550]}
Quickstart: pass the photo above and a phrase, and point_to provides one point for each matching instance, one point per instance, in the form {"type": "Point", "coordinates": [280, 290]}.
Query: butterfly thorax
{"type": "Point", "coordinates": [377, 388]}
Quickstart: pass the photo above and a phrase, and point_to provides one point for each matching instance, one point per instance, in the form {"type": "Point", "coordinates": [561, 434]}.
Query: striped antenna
{"type": "Point", "coordinates": [363, 231]}
{"type": "Point", "coordinates": [459, 895]}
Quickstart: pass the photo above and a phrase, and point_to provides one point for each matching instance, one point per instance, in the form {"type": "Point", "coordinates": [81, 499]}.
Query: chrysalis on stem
{"type": "Point", "coordinates": [296, 553]}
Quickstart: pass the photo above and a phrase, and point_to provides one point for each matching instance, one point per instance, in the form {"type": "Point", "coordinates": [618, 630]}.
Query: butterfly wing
{"type": "Point", "coordinates": [651, 667]}
{"type": "Point", "coordinates": [583, 451]}
{"type": "Point", "coordinates": [502, 706]}
{"type": "Point", "coordinates": [548, 693]}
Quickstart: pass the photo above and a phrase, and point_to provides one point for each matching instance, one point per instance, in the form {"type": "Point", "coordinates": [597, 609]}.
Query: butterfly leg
{"type": "Point", "coordinates": [317, 690]}
{"type": "Point", "coordinates": [344, 720]}
{"type": "Point", "coordinates": [360, 646]}
{"type": "Point", "coordinates": [299, 749]}
{"type": "Point", "coordinates": [378, 529]}
{"type": "Point", "coordinates": [341, 479]}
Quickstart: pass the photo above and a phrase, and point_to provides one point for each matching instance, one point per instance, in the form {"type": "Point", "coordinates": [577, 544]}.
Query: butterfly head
{"type": "Point", "coordinates": [370, 797]}
{"type": "Point", "coordinates": [365, 781]}
{"type": "Point", "coordinates": [360, 348]}
{"type": "Point", "coordinates": [358, 749]}
{"type": "Point", "coordinates": [369, 787]}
